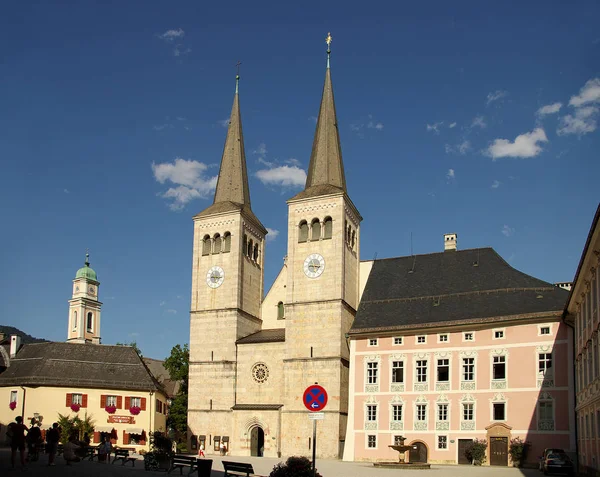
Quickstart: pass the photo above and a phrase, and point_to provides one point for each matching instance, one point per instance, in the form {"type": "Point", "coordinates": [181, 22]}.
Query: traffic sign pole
{"type": "Point", "coordinates": [314, 467]}
{"type": "Point", "coordinates": [315, 399]}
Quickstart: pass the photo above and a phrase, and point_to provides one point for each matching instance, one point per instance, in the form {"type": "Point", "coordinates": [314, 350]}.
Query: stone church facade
{"type": "Point", "coordinates": [251, 358]}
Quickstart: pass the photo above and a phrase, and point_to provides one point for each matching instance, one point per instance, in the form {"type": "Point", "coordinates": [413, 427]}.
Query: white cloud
{"type": "Point", "coordinates": [374, 125]}
{"type": "Point", "coordinates": [524, 145]}
{"type": "Point", "coordinates": [507, 231]}
{"type": "Point", "coordinates": [170, 35]}
{"type": "Point", "coordinates": [293, 161]}
{"type": "Point", "coordinates": [171, 311]}
{"type": "Point", "coordinates": [589, 93]}
{"type": "Point", "coordinates": [261, 150]}
{"type": "Point", "coordinates": [583, 122]}
{"type": "Point", "coordinates": [189, 177]}
{"type": "Point", "coordinates": [180, 50]}
{"type": "Point", "coordinates": [435, 127]}
{"type": "Point", "coordinates": [313, 119]}
{"type": "Point", "coordinates": [461, 148]}
{"type": "Point", "coordinates": [370, 124]}
{"type": "Point", "coordinates": [495, 184]}
{"type": "Point", "coordinates": [66, 191]}
{"type": "Point", "coordinates": [223, 122]}
{"type": "Point", "coordinates": [479, 121]}
{"type": "Point", "coordinates": [160, 127]}
{"type": "Point", "coordinates": [284, 176]}
{"type": "Point", "coordinates": [162, 303]}
{"type": "Point", "coordinates": [179, 118]}
{"type": "Point", "coordinates": [452, 125]}
{"type": "Point", "coordinates": [272, 235]}
{"type": "Point", "coordinates": [495, 96]}
{"type": "Point", "coordinates": [549, 109]}
{"type": "Point", "coordinates": [450, 175]}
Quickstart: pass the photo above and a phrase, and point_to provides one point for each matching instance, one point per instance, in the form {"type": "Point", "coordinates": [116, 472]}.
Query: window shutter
{"type": "Point", "coordinates": [69, 399]}
{"type": "Point", "coordinates": [103, 401]}
{"type": "Point", "coordinates": [125, 438]}
{"type": "Point", "coordinates": [119, 402]}
{"type": "Point", "coordinates": [143, 406]}
{"type": "Point", "coordinates": [127, 402]}
{"type": "Point", "coordinates": [96, 437]}
{"type": "Point", "coordinates": [143, 439]}
{"type": "Point", "coordinates": [84, 400]}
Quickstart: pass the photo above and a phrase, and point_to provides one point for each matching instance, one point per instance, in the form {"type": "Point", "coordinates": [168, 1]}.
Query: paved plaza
{"type": "Point", "coordinates": [262, 466]}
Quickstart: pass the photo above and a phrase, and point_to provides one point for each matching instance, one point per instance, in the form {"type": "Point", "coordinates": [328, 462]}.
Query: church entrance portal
{"type": "Point", "coordinates": [257, 442]}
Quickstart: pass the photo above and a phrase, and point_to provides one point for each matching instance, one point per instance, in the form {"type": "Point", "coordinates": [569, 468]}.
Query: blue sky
{"type": "Point", "coordinates": [479, 118]}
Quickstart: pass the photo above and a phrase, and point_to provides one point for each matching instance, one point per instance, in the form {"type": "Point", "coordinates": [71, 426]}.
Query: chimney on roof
{"type": "Point", "coordinates": [15, 344]}
{"type": "Point", "coordinates": [450, 242]}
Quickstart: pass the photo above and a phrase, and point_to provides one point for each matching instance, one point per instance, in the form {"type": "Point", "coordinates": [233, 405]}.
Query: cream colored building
{"type": "Point", "coordinates": [109, 384]}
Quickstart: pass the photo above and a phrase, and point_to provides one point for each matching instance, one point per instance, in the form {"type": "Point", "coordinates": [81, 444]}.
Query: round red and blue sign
{"type": "Point", "coordinates": [315, 398]}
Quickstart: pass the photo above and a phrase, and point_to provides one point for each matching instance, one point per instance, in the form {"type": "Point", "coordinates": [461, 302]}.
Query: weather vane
{"type": "Point", "coordinates": [237, 76]}
{"type": "Point", "coordinates": [328, 41]}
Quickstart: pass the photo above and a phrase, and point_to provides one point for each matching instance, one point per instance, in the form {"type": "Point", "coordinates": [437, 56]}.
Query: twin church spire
{"type": "Point", "coordinates": [325, 171]}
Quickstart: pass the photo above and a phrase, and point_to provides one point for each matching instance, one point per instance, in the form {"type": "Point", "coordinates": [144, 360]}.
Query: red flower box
{"type": "Point", "coordinates": [13, 405]}
{"type": "Point", "coordinates": [75, 407]}
{"type": "Point", "coordinates": [135, 410]}
{"type": "Point", "coordinates": [111, 409]}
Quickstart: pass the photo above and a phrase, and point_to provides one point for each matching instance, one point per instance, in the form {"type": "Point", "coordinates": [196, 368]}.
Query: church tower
{"type": "Point", "coordinates": [322, 288]}
{"type": "Point", "coordinates": [84, 307]}
{"type": "Point", "coordinates": [227, 288]}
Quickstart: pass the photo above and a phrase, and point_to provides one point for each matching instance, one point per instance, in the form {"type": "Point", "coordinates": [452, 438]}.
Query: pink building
{"type": "Point", "coordinates": [455, 346]}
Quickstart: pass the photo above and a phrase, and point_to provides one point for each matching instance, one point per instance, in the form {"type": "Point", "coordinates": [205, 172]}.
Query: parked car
{"type": "Point", "coordinates": [551, 450]}
{"type": "Point", "coordinates": [558, 463]}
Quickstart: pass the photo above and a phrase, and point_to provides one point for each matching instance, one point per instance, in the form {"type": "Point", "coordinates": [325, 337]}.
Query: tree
{"type": "Point", "coordinates": [75, 426]}
{"type": "Point", "coordinates": [134, 345]}
{"type": "Point", "coordinates": [177, 365]}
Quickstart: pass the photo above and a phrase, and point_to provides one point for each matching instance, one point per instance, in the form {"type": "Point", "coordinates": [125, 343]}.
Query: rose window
{"type": "Point", "coordinates": [260, 372]}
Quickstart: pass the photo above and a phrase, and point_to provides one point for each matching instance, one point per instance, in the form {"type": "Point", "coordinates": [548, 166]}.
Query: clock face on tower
{"type": "Point", "coordinates": [314, 265]}
{"type": "Point", "coordinates": [215, 277]}
{"type": "Point", "coordinates": [91, 290]}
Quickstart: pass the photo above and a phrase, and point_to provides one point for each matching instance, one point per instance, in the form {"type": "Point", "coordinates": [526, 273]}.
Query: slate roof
{"type": "Point", "coordinates": [79, 365]}
{"type": "Point", "coordinates": [452, 286]}
{"type": "Point", "coordinates": [157, 368]}
{"type": "Point", "coordinates": [264, 336]}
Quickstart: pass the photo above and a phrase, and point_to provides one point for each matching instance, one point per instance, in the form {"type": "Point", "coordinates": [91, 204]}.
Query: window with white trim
{"type": "Point", "coordinates": [373, 342]}
{"type": "Point", "coordinates": [371, 441]}
{"type": "Point", "coordinates": [397, 371]}
{"type": "Point", "coordinates": [498, 334]}
{"type": "Point", "coordinates": [422, 371]}
{"type": "Point", "coordinates": [442, 442]}
{"type": "Point", "coordinates": [111, 400]}
{"type": "Point", "coordinates": [90, 321]}
{"type": "Point", "coordinates": [468, 336]}
{"type": "Point", "coordinates": [442, 414]}
{"type": "Point", "coordinates": [443, 370]}
{"type": "Point", "coordinates": [443, 338]}
{"type": "Point", "coordinates": [499, 368]}
{"type": "Point", "coordinates": [372, 372]}
{"type": "Point", "coordinates": [74, 320]}
{"type": "Point", "coordinates": [545, 364]}
{"type": "Point", "coordinates": [499, 411]}
{"type": "Point", "coordinates": [546, 411]}
{"type": "Point", "coordinates": [421, 412]}
{"type": "Point", "coordinates": [544, 330]}
{"type": "Point", "coordinates": [421, 339]}
{"type": "Point", "coordinates": [468, 411]}
{"type": "Point", "coordinates": [135, 402]}
{"type": "Point", "coordinates": [13, 396]}
{"type": "Point", "coordinates": [396, 412]}
{"type": "Point", "coordinates": [371, 412]}
{"type": "Point", "coordinates": [398, 340]}
{"type": "Point", "coordinates": [77, 398]}
{"type": "Point", "coordinates": [468, 371]}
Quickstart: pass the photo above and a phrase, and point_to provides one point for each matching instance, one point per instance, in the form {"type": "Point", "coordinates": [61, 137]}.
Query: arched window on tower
{"type": "Point", "coordinates": [328, 228]}
{"type": "Point", "coordinates": [245, 245]}
{"type": "Point", "coordinates": [346, 230]}
{"type": "Point", "coordinates": [255, 255]}
{"type": "Point", "coordinates": [206, 245]}
{"type": "Point", "coordinates": [353, 239]}
{"type": "Point", "coordinates": [303, 231]}
{"type": "Point", "coordinates": [227, 242]}
{"type": "Point", "coordinates": [90, 321]}
{"type": "Point", "coordinates": [217, 244]}
{"type": "Point", "coordinates": [280, 311]}
{"type": "Point", "coordinates": [349, 234]}
{"type": "Point", "coordinates": [74, 320]}
{"type": "Point", "coordinates": [250, 248]}
{"type": "Point", "coordinates": [316, 230]}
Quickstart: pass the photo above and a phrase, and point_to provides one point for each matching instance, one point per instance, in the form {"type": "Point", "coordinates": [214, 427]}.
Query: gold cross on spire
{"type": "Point", "coordinates": [328, 40]}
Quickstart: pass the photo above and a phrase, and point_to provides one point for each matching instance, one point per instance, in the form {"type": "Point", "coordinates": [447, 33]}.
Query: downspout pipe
{"type": "Point", "coordinates": [23, 405]}
{"type": "Point", "coordinates": [575, 381]}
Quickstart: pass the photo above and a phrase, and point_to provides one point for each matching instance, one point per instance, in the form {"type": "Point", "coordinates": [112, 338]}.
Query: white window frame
{"type": "Point", "coordinates": [373, 342]}
{"type": "Point", "coordinates": [14, 396]}
{"type": "Point", "coordinates": [111, 400]}
{"type": "Point", "coordinates": [546, 397]}
{"type": "Point", "coordinates": [499, 330]}
{"type": "Point", "coordinates": [396, 360]}
{"type": "Point", "coordinates": [400, 338]}
{"type": "Point", "coordinates": [549, 371]}
{"type": "Point", "coordinates": [392, 411]}
{"type": "Point", "coordinates": [494, 401]}
{"type": "Point", "coordinates": [77, 398]}
{"type": "Point", "coordinates": [445, 335]}
{"type": "Point", "coordinates": [135, 401]}
{"type": "Point", "coordinates": [371, 412]}
{"type": "Point", "coordinates": [505, 362]}
{"type": "Point", "coordinates": [472, 411]}
{"type": "Point", "coordinates": [417, 412]}
{"type": "Point", "coordinates": [546, 325]}
{"type": "Point", "coordinates": [437, 442]}
{"type": "Point", "coordinates": [468, 425]}
{"type": "Point", "coordinates": [89, 328]}
{"type": "Point", "coordinates": [367, 441]}
{"type": "Point", "coordinates": [462, 369]}
{"type": "Point", "coordinates": [437, 364]}
{"type": "Point", "coordinates": [446, 413]}
{"type": "Point", "coordinates": [372, 378]}
{"type": "Point", "coordinates": [465, 334]}
{"type": "Point", "coordinates": [421, 342]}
{"type": "Point", "coordinates": [75, 319]}
{"type": "Point", "coordinates": [417, 380]}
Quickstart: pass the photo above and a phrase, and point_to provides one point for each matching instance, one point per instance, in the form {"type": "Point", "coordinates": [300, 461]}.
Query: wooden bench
{"type": "Point", "coordinates": [202, 467]}
{"type": "Point", "coordinates": [123, 455]}
{"type": "Point", "coordinates": [238, 467]}
{"type": "Point", "coordinates": [91, 452]}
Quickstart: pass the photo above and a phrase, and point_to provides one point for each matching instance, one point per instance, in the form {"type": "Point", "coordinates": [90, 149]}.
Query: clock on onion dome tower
{"type": "Point", "coordinates": [84, 307]}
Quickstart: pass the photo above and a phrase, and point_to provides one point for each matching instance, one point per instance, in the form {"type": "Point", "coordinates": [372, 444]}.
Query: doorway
{"type": "Point", "coordinates": [499, 451]}
{"type": "Point", "coordinates": [464, 445]}
{"type": "Point", "coordinates": [418, 453]}
{"type": "Point", "coordinates": [257, 442]}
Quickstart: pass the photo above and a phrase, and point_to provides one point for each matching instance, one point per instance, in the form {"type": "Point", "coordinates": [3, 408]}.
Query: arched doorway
{"type": "Point", "coordinates": [418, 453]}
{"type": "Point", "coordinates": [257, 441]}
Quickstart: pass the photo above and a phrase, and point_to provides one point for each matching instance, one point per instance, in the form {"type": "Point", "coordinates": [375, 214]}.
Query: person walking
{"type": "Point", "coordinates": [34, 438]}
{"type": "Point", "coordinates": [201, 451]}
{"type": "Point", "coordinates": [16, 430]}
{"type": "Point", "coordinates": [108, 449]}
{"type": "Point", "coordinates": [52, 438]}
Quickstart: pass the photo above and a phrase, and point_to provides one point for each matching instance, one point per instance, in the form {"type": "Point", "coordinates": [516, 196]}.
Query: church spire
{"type": "Point", "coordinates": [232, 184]}
{"type": "Point", "coordinates": [326, 167]}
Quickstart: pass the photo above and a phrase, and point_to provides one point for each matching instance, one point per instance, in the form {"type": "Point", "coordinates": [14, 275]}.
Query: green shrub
{"type": "Point", "coordinates": [518, 450]}
{"type": "Point", "coordinates": [294, 467]}
{"type": "Point", "coordinates": [476, 453]}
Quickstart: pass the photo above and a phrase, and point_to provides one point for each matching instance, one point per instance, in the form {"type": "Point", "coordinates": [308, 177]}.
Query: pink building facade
{"type": "Point", "coordinates": [444, 362]}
